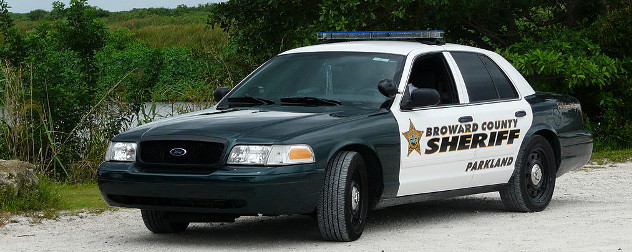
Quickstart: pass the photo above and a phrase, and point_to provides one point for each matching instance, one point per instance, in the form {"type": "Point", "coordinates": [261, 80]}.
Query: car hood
{"type": "Point", "coordinates": [243, 125]}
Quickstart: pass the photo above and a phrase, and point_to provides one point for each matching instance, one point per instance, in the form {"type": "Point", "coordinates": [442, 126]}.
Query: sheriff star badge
{"type": "Point", "coordinates": [413, 135]}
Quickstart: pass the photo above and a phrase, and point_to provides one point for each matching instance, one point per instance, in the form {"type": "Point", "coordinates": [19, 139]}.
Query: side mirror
{"type": "Point", "coordinates": [220, 93]}
{"type": "Point", "coordinates": [387, 88]}
{"type": "Point", "coordinates": [424, 97]}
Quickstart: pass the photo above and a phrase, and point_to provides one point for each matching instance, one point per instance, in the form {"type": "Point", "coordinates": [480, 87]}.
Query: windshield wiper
{"type": "Point", "coordinates": [311, 101]}
{"type": "Point", "coordinates": [251, 99]}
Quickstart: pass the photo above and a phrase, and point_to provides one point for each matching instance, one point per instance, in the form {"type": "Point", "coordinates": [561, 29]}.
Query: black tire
{"type": "Point", "coordinates": [158, 222]}
{"type": "Point", "coordinates": [339, 218]}
{"type": "Point", "coordinates": [525, 192]}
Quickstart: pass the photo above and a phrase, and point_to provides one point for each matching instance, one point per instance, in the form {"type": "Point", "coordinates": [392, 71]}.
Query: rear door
{"type": "Point", "coordinates": [501, 115]}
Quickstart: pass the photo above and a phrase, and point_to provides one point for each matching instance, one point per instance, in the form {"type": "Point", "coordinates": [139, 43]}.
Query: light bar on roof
{"type": "Point", "coordinates": [380, 35]}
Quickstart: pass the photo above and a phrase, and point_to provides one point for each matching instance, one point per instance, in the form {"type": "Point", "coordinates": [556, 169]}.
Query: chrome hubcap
{"type": "Point", "coordinates": [536, 174]}
{"type": "Point", "coordinates": [355, 197]}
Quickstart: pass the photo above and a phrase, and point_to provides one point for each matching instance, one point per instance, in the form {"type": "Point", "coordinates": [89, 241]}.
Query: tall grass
{"type": "Point", "coordinates": [26, 25]}
{"type": "Point", "coordinates": [27, 130]}
{"type": "Point", "coordinates": [173, 31]}
{"type": "Point", "coordinates": [187, 29]}
{"type": "Point", "coordinates": [154, 20]}
{"type": "Point", "coordinates": [181, 35]}
{"type": "Point", "coordinates": [27, 127]}
{"type": "Point", "coordinates": [23, 122]}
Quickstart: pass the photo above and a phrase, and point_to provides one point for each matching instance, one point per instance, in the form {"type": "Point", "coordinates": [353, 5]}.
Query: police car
{"type": "Point", "coordinates": [360, 121]}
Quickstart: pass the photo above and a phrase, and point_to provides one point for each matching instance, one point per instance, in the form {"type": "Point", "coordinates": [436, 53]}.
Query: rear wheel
{"type": "Point", "coordinates": [343, 205]}
{"type": "Point", "coordinates": [531, 187]}
{"type": "Point", "coordinates": [159, 223]}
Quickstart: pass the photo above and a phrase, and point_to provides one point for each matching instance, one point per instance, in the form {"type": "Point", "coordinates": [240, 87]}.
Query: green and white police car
{"type": "Point", "coordinates": [359, 122]}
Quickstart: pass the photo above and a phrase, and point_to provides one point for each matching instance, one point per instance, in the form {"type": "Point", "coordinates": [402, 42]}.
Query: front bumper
{"type": "Point", "coordinates": [236, 190]}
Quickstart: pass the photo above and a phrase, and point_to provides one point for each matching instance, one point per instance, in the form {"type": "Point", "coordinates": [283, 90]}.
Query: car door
{"type": "Point", "coordinates": [501, 114]}
{"type": "Point", "coordinates": [433, 157]}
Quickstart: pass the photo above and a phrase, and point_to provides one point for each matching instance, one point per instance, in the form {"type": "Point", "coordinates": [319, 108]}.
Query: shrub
{"type": "Point", "coordinates": [134, 67]}
{"type": "Point", "coordinates": [180, 77]}
{"type": "Point", "coordinates": [43, 197]}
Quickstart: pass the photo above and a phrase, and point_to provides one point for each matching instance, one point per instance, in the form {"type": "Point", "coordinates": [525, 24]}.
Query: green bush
{"type": "Point", "coordinates": [180, 76]}
{"type": "Point", "coordinates": [561, 59]}
{"type": "Point", "coordinates": [132, 69]}
{"type": "Point", "coordinates": [43, 197]}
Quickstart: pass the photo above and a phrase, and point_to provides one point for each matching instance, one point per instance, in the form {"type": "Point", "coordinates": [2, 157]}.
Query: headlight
{"type": "Point", "coordinates": [249, 154]}
{"type": "Point", "coordinates": [119, 151]}
{"type": "Point", "coordinates": [271, 155]}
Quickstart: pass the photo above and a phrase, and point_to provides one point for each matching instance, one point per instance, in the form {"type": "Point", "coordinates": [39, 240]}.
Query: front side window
{"type": "Point", "coordinates": [431, 71]}
{"type": "Point", "coordinates": [328, 78]}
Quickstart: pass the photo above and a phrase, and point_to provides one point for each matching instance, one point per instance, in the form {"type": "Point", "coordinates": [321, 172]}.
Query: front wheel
{"type": "Point", "coordinates": [530, 188]}
{"type": "Point", "coordinates": [343, 205]}
{"type": "Point", "coordinates": [158, 222]}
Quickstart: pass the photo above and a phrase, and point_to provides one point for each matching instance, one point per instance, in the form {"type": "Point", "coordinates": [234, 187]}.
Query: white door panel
{"type": "Point", "coordinates": [439, 171]}
{"type": "Point", "coordinates": [427, 167]}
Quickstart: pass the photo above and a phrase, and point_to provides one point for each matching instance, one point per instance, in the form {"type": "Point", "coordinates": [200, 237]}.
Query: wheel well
{"type": "Point", "coordinates": [374, 171]}
{"type": "Point", "coordinates": [555, 144]}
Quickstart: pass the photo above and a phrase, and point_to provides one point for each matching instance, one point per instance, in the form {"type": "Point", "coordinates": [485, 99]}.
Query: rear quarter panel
{"type": "Point", "coordinates": [562, 116]}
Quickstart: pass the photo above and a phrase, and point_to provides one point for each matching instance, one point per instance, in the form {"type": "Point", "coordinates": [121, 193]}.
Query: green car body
{"type": "Point", "coordinates": [265, 190]}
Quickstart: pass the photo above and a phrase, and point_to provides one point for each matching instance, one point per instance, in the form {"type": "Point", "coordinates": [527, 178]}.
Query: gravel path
{"type": "Point", "coordinates": [591, 211]}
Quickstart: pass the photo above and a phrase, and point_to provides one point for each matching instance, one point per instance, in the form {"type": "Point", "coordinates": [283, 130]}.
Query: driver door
{"type": "Point", "coordinates": [434, 153]}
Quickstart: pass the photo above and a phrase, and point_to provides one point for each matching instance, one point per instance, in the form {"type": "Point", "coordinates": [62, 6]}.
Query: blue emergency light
{"type": "Point", "coordinates": [380, 35]}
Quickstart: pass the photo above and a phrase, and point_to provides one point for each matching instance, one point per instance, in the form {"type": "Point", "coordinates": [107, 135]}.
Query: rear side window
{"type": "Point", "coordinates": [483, 78]}
{"type": "Point", "coordinates": [505, 88]}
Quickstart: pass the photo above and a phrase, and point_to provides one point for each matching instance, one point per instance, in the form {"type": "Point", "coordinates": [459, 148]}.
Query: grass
{"type": "Point", "coordinates": [611, 156]}
{"type": "Point", "coordinates": [181, 35]}
{"type": "Point", "coordinates": [51, 199]}
{"type": "Point", "coordinates": [137, 23]}
{"type": "Point", "coordinates": [173, 31]}
{"type": "Point", "coordinates": [24, 26]}
{"type": "Point", "coordinates": [75, 197]}
{"type": "Point", "coordinates": [36, 199]}
{"type": "Point", "coordinates": [157, 29]}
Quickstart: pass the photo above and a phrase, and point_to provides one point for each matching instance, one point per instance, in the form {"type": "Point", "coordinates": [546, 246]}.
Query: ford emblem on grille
{"type": "Point", "coordinates": [178, 152]}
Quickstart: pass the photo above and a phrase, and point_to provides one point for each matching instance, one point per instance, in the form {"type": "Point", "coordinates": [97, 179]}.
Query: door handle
{"type": "Point", "coordinates": [465, 119]}
{"type": "Point", "coordinates": [521, 113]}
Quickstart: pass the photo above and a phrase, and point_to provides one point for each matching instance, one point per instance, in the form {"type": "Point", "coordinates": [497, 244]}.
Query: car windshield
{"type": "Point", "coordinates": [319, 79]}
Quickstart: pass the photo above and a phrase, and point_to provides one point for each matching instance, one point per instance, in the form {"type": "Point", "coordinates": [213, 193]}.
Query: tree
{"type": "Point", "coordinates": [37, 15]}
{"type": "Point", "coordinates": [12, 46]}
{"type": "Point", "coordinates": [78, 27]}
{"type": "Point", "coordinates": [261, 29]}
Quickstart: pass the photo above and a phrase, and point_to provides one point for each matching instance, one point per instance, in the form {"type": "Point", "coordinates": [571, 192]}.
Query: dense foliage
{"type": "Point", "coordinates": [572, 46]}
{"type": "Point", "coordinates": [74, 77]}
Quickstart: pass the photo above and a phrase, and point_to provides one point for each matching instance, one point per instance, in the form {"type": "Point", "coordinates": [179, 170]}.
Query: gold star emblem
{"type": "Point", "coordinates": [413, 135]}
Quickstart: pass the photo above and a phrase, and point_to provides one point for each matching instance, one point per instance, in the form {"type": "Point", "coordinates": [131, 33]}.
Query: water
{"type": "Point", "coordinates": [153, 111]}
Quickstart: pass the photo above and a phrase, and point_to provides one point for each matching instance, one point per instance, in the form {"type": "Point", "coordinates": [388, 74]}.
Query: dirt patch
{"type": "Point", "coordinates": [4, 218]}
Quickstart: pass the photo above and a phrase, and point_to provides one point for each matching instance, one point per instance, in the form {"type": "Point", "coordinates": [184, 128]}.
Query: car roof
{"type": "Point", "coordinates": [391, 47]}
{"type": "Point", "coordinates": [405, 48]}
